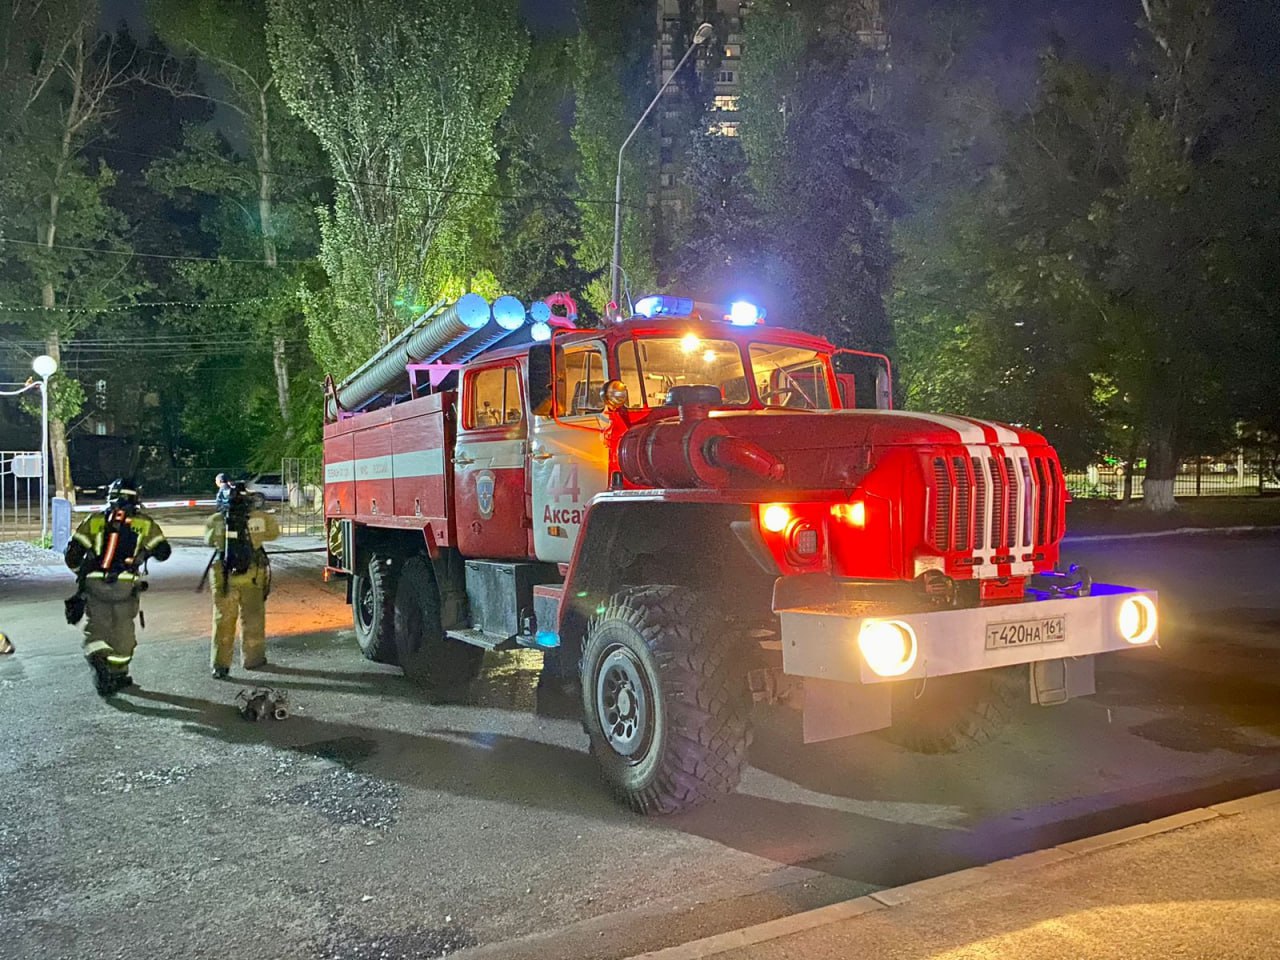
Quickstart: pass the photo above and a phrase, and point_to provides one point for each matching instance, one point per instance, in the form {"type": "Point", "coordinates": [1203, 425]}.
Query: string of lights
{"type": "Point", "coordinates": [126, 307]}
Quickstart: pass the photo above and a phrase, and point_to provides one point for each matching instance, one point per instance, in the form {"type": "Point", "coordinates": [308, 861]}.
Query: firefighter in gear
{"type": "Point", "coordinates": [241, 580]}
{"type": "Point", "coordinates": [109, 551]}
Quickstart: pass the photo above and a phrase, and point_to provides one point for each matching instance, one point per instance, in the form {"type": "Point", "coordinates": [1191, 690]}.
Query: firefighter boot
{"type": "Point", "coordinates": [103, 681]}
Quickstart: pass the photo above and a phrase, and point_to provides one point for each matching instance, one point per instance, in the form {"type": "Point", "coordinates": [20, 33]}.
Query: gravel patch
{"type": "Point", "coordinates": [347, 798]}
{"type": "Point", "coordinates": [19, 559]}
{"type": "Point", "coordinates": [348, 943]}
{"type": "Point", "coordinates": [121, 782]}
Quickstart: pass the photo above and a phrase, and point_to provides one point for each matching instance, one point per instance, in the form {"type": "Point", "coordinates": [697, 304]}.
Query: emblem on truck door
{"type": "Point", "coordinates": [484, 493]}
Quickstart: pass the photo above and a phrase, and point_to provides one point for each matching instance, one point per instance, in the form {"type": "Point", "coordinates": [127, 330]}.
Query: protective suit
{"type": "Point", "coordinates": [241, 582]}
{"type": "Point", "coordinates": [108, 551]}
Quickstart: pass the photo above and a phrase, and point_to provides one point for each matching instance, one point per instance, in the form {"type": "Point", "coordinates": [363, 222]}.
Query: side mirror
{"type": "Point", "coordinates": [615, 395]}
{"type": "Point", "coordinates": [540, 378]}
{"type": "Point", "coordinates": [884, 389]}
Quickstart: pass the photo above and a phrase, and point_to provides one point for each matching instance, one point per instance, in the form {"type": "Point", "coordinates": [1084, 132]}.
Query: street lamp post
{"type": "Point", "coordinates": [44, 367]}
{"type": "Point", "coordinates": [704, 33]}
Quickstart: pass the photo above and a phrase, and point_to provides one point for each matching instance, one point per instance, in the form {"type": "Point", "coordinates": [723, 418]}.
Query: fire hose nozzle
{"type": "Point", "coordinates": [735, 453]}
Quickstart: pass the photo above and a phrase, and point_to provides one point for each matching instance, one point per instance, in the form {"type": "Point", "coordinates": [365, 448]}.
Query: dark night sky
{"type": "Point", "coordinates": [1015, 32]}
{"type": "Point", "coordinates": [543, 16]}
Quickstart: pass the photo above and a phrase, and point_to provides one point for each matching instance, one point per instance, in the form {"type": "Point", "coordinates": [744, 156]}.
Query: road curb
{"type": "Point", "coordinates": [935, 886]}
{"type": "Point", "coordinates": [1153, 534]}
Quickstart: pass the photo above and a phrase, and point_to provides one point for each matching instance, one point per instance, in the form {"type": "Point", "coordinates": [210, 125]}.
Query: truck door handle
{"type": "Point", "coordinates": [540, 456]}
{"type": "Point", "coordinates": [463, 461]}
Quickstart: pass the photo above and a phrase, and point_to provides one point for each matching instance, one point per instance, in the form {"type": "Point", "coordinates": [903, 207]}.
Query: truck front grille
{"type": "Point", "coordinates": [998, 504]}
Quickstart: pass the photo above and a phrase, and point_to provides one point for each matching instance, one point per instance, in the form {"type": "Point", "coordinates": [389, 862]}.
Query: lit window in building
{"type": "Point", "coordinates": [727, 103]}
{"type": "Point", "coordinates": [725, 128]}
{"type": "Point", "coordinates": [732, 51]}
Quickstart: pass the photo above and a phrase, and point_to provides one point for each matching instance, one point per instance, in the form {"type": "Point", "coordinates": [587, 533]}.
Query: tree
{"type": "Point", "coordinates": [229, 36]}
{"type": "Point", "coordinates": [64, 244]}
{"type": "Point", "coordinates": [538, 230]}
{"type": "Point", "coordinates": [403, 98]}
{"type": "Point", "coordinates": [824, 163]}
{"type": "Point", "coordinates": [614, 84]}
{"type": "Point", "coordinates": [722, 248]}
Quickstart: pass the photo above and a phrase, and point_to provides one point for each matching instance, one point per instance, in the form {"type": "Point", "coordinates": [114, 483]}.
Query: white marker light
{"type": "Point", "coordinates": [541, 332]}
{"type": "Point", "coordinates": [888, 646]}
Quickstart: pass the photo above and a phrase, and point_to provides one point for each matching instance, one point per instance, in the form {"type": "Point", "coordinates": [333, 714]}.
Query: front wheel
{"type": "Point", "coordinates": [663, 702]}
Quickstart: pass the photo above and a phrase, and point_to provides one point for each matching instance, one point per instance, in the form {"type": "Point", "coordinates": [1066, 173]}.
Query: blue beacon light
{"type": "Point", "coordinates": [745, 314]}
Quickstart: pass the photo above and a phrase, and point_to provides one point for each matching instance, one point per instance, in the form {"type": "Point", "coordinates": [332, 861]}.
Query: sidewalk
{"type": "Point", "coordinates": [1201, 884]}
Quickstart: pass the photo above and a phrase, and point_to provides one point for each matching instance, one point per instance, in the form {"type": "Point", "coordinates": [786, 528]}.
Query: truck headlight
{"type": "Point", "coordinates": [888, 646]}
{"type": "Point", "coordinates": [1137, 619]}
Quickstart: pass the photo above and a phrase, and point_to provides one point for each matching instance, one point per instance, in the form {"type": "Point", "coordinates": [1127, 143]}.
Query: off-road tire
{"type": "Point", "coordinates": [954, 713]}
{"type": "Point", "coordinates": [373, 592]}
{"type": "Point", "coordinates": [691, 744]}
{"type": "Point", "coordinates": [439, 663]}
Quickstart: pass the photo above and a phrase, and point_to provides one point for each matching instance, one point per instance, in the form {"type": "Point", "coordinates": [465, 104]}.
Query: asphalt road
{"type": "Point", "coordinates": [375, 825]}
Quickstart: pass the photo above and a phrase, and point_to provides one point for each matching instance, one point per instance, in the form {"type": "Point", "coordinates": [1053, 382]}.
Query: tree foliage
{"type": "Point", "coordinates": [403, 98]}
{"type": "Point", "coordinates": [65, 249]}
{"type": "Point", "coordinates": [614, 83]}
{"type": "Point", "coordinates": [1098, 283]}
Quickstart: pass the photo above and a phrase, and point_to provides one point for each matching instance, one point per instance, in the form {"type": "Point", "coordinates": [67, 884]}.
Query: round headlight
{"type": "Point", "coordinates": [1137, 619]}
{"type": "Point", "coordinates": [888, 646]}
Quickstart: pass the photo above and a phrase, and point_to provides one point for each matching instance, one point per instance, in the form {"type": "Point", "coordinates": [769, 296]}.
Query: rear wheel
{"type": "Point", "coordinates": [663, 702]}
{"type": "Point", "coordinates": [953, 713]}
{"type": "Point", "coordinates": [373, 591]}
{"type": "Point", "coordinates": [438, 662]}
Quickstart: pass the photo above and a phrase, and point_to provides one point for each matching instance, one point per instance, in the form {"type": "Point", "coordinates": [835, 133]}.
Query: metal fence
{"type": "Point", "coordinates": [20, 494]}
{"type": "Point", "coordinates": [1256, 473]}
{"type": "Point", "coordinates": [302, 509]}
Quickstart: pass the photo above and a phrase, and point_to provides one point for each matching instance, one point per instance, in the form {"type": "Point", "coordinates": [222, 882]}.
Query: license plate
{"type": "Point", "coordinates": [1023, 633]}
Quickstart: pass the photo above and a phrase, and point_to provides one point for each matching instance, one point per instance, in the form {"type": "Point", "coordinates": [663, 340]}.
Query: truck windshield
{"type": "Point", "coordinates": [651, 366]}
{"type": "Point", "coordinates": [794, 377]}
{"type": "Point", "coordinates": [784, 376]}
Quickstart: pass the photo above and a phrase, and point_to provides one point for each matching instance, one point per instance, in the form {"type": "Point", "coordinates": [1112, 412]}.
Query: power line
{"type": "Point", "coordinates": [135, 253]}
{"type": "Point", "coordinates": [311, 175]}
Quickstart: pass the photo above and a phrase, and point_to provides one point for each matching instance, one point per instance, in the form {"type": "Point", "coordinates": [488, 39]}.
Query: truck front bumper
{"type": "Point", "coordinates": [825, 641]}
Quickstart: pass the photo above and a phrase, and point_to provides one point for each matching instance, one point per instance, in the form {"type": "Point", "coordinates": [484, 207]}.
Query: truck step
{"type": "Point", "coordinates": [483, 639]}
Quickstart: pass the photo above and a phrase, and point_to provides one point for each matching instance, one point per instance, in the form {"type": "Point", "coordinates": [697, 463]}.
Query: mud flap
{"type": "Point", "coordinates": [1057, 681]}
{"type": "Point", "coordinates": [834, 709]}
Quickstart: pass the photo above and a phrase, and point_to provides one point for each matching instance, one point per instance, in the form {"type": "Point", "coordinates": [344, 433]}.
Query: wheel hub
{"type": "Point", "coordinates": [364, 603]}
{"type": "Point", "coordinates": [623, 702]}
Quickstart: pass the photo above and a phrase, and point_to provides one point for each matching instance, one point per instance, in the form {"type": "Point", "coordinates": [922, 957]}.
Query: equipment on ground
{"type": "Point", "coordinates": [263, 703]}
{"type": "Point", "coordinates": [690, 512]}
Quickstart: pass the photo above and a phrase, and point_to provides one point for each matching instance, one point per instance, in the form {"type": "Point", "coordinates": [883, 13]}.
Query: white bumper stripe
{"type": "Point", "coordinates": [822, 641]}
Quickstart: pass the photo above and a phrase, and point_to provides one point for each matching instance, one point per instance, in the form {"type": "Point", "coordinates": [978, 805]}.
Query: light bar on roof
{"type": "Point", "coordinates": [664, 306]}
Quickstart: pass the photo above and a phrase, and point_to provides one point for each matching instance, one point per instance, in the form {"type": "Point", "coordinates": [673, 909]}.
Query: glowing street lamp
{"type": "Point", "coordinates": [44, 367]}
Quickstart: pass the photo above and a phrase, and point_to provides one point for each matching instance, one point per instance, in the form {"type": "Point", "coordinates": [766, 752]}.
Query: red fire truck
{"type": "Point", "coordinates": [691, 511]}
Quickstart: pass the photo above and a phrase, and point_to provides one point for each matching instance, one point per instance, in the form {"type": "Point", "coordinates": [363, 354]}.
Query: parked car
{"type": "Point", "coordinates": [266, 486]}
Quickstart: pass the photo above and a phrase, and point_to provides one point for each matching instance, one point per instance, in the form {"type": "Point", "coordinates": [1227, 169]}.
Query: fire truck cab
{"type": "Point", "coordinates": [689, 512]}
